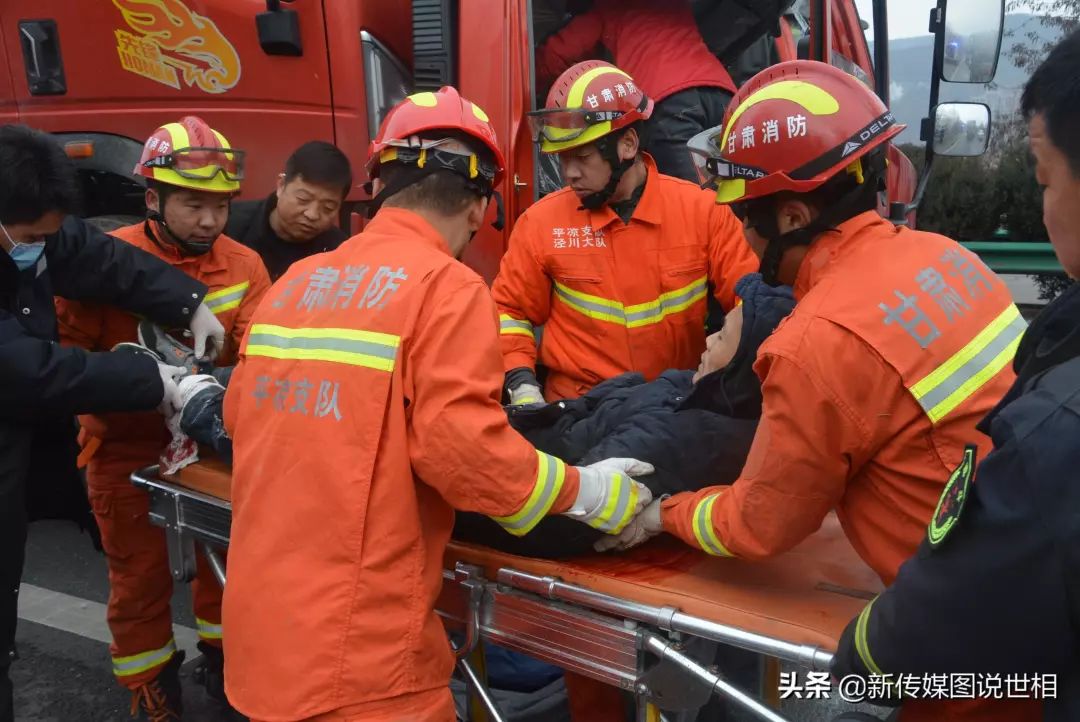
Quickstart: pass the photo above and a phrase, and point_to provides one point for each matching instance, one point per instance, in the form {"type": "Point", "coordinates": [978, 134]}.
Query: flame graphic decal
{"type": "Point", "coordinates": [169, 38]}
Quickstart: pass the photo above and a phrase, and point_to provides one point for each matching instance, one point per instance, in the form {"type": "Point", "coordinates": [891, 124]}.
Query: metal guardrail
{"type": "Point", "coordinates": [1016, 256]}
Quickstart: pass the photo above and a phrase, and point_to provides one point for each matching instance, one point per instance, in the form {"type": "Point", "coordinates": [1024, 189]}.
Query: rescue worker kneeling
{"type": "Point", "coordinates": [364, 409]}
{"type": "Point", "coordinates": [191, 173]}
{"type": "Point", "coordinates": [899, 343]}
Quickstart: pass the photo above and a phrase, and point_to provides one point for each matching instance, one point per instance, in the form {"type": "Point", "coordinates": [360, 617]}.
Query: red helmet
{"type": "Point", "coordinates": [421, 113]}
{"type": "Point", "coordinates": [590, 100]}
{"type": "Point", "coordinates": [791, 127]}
{"type": "Point", "coordinates": [191, 154]}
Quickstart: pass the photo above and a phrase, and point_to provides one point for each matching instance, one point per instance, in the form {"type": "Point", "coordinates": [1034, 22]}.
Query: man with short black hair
{"type": "Point", "coordinates": [385, 417]}
{"type": "Point", "coordinates": [43, 385]}
{"type": "Point", "coordinates": [995, 586]}
{"type": "Point", "coordinates": [300, 218]}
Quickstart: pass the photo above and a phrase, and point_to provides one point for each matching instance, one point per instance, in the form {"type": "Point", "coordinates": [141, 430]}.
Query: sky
{"type": "Point", "coordinates": [907, 18]}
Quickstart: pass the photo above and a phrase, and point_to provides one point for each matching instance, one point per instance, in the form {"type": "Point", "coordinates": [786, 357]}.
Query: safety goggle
{"type": "Point", "coordinates": [198, 163]}
{"type": "Point", "coordinates": [562, 125]}
{"type": "Point", "coordinates": [466, 164]}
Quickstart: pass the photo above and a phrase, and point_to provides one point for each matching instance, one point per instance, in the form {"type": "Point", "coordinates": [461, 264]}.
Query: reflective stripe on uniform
{"type": "Point", "coordinates": [336, 345]}
{"type": "Point", "coordinates": [619, 507]}
{"type": "Point", "coordinates": [641, 314]}
{"type": "Point", "coordinates": [508, 326]}
{"type": "Point", "coordinates": [862, 642]}
{"type": "Point", "coordinates": [138, 663]}
{"type": "Point", "coordinates": [550, 475]}
{"type": "Point", "coordinates": [226, 298]}
{"type": "Point", "coordinates": [951, 383]}
{"type": "Point", "coordinates": [208, 630]}
{"type": "Point", "coordinates": [703, 528]}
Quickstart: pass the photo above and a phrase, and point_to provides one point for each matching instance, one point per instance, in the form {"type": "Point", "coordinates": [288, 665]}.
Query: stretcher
{"type": "Point", "coordinates": [626, 620]}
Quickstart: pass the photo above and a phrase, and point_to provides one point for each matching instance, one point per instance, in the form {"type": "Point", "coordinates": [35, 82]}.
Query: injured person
{"type": "Point", "coordinates": [694, 427]}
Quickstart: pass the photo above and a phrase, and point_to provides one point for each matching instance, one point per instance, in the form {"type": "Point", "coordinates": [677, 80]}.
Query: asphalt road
{"type": "Point", "coordinates": [63, 673]}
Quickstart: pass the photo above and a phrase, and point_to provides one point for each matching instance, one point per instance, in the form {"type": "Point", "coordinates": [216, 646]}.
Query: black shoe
{"type": "Point", "coordinates": [210, 673]}
{"type": "Point", "coordinates": [159, 700]}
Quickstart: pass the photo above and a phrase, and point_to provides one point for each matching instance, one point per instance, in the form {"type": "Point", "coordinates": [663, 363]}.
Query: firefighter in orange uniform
{"type": "Point", "coordinates": [191, 174]}
{"type": "Point", "coordinates": [900, 342]}
{"type": "Point", "coordinates": [364, 409]}
{"type": "Point", "coordinates": [617, 267]}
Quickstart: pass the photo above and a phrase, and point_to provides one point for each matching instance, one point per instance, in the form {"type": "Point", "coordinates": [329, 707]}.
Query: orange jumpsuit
{"type": "Point", "coordinates": [615, 297]}
{"type": "Point", "coordinates": [364, 409]}
{"type": "Point", "coordinates": [139, 578]}
{"type": "Point", "coordinates": [900, 343]}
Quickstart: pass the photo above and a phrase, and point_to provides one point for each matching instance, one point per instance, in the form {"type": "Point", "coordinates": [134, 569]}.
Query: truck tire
{"type": "Point", "coordinates": [106, 224]}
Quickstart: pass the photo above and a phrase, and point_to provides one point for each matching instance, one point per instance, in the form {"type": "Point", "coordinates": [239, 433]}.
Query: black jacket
{"type": "Point", "coordinates": [43, 385]}
{"type": "Point", "coordinates": [1000, 593]}
{"type": "Point", "coordinates": [696, 435]}
{"type": "Point", "coordinates": [249, 223]}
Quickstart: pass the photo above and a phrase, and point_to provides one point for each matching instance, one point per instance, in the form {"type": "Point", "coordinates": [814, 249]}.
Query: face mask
{"type": "Point", "coordinates": [25, 255]}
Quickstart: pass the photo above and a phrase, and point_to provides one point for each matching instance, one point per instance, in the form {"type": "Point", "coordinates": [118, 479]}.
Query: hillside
{"type": "Point", "coordinates": [909, 64]}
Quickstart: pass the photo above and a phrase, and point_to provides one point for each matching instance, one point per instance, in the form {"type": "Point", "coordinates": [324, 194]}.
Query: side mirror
{"type": "Point", "coordinates": [971, 36]}
{"type": "Point", "coordinates": [961, 129]}
{"type": "Point", "coordinates": [279, 30]}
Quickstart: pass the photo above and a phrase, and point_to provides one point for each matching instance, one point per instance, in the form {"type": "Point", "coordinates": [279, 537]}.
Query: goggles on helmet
{"type": "Point", "coordinates": [444, 153]}
{"type": "Point", "coordinates": [199, 163]}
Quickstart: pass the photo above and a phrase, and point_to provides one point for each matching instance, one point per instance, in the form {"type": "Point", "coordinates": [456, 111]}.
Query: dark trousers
{"type": "Point", "coordinates": [12, 550]}
{"type": "Point", "coordinates": [678, 118]}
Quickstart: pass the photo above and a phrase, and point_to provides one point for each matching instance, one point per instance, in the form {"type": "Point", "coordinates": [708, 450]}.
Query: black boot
{"type": "Point", "coordinates": [159, 700]}
{"type": "Point", "coordinates": [210, 673]}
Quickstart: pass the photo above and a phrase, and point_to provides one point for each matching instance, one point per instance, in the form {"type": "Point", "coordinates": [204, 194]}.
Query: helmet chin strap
{"type": "Point", "coordinates": [609, 151]}
{"type": "Point", "coordinates": [187, 248]}
{"type": "Point", "coordinates": [761, 216]}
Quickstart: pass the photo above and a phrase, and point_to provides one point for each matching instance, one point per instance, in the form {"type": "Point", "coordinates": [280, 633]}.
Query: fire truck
{"type": "Point", "coordinates": [272, 74]}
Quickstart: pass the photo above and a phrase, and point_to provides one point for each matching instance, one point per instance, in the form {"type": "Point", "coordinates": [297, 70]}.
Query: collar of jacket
{"type": "Point", "coordinates": [402, 222]}
{"type": "Point", "coordinates": [836, 244]}
{"type": "Point", "coordinates": [648, 210]}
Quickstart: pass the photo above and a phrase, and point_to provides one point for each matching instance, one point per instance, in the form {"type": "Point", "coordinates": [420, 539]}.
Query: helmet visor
{"type": "Point", "coordinates": [561, 125]}
{"type": "Point", "coordinates": [705, 151]}
{"type": "Point", "coordinates": [200, 163]}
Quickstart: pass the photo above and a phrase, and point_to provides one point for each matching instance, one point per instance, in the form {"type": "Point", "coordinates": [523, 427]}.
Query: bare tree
{"type": "Point", "coordinates": [1029, 47]}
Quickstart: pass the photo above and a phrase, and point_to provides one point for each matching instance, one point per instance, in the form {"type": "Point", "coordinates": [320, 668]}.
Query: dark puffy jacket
{"type": "Point", "coordinates": [43, 385]}
{"type": "Point", "coordinates": [695, 435]}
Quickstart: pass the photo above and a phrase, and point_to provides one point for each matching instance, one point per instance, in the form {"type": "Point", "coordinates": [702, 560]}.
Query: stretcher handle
{"type": "Point", "coordinates": [667, 618]}
{"type": "Point", "coordinates": [666, 652]}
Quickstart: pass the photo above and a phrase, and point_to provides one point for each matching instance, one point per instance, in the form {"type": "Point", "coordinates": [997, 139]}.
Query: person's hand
{"type": "Point", "coordinates": [608, 498]}
{"type": "Point", "coordinates": [526, 395]}
{"type": "Point", "coordinates": [205, 327]}
{"type": "Point", "coordinates": [644, 526]}
{"type": "Point", "coordinates": [170, 400]}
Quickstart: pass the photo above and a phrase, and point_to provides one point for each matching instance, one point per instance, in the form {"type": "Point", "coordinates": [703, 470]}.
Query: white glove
{"type": "Point", "coordinates": [170, 400]}
{"type": "Point", "coordinates": [607, 497]}
{"type": "Point", "coordinates": [526, 394]}
{"type": "Point", "coordinates": [205, 326]}
{"type": "Point", "coordinates": [645, 526]}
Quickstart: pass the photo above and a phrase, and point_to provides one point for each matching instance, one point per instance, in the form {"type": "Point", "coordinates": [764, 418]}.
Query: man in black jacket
{"type": "Point", "coordinates": [300, 218]}
{"type": "Point", "coordinates": [995, 586]}
{"type": "Point", "coordinates": [43, 385]}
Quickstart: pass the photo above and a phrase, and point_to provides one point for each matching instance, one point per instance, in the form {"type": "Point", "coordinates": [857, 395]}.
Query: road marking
{"type": "Point", "coordinates": [83, 617]}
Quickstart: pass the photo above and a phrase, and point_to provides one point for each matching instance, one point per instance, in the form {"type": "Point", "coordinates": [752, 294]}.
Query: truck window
{"type": "Point", "coordinates": [386, 79]}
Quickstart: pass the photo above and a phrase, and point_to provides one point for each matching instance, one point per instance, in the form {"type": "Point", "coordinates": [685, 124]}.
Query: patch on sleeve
{"type": "Point", "coordinates": [951, 503]}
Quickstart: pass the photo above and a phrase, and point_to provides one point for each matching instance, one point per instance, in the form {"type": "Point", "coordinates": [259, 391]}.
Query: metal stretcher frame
{"type": "Point", "coordinates": [616, 638]}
